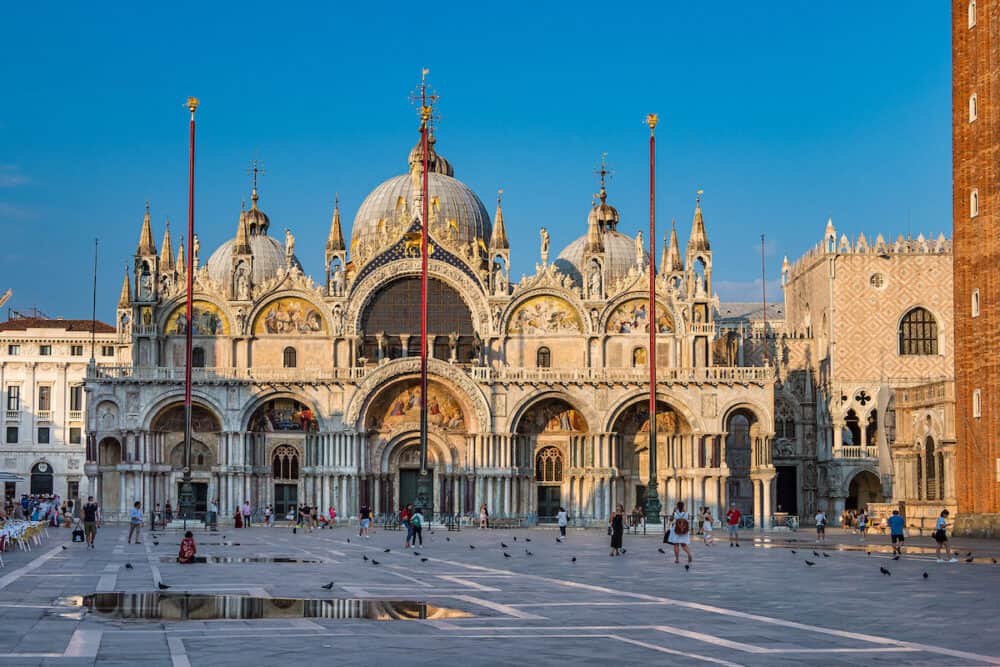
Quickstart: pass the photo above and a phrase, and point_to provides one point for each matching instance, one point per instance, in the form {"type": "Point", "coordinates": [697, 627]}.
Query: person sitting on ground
{"type": "Point", "coordinates": [188, 549]}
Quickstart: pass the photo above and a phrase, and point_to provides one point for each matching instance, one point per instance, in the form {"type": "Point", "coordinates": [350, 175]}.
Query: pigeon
{"type": "Point", "coordinates": [969, 559]}
{"type": "Point", "coordinates": [506, 555]}
{"type": "Point", "coordinates": [793, 551]}
{"type": "Point", "coordinates": [969, 554]}
{"type": "Point", "coordinates": [423, 560]}
{"type": "Point", "coordinates": [294, 530]}
{"type": "Point", "coordinates": [810, 563]}
{"type": "Point", "coordinates": [447, 539]}
{"type": "Point", "coordinates": [385, 551]}
{"type": "Point", "coordinates": [869, 553]}
{"type": "Point", "coordinates": [348, 540]}
{"type": "Point", "coordinates": [896, 557]}
{"type": "Point", "coordinates": [162, 585]}
{"type": "Point", "coordinates": [816, 553]}
{"type": "Point", "coordinates": [994, 560]}
{"type": "Point", "coordinates": [416, 553]}
{"type": "Point", "coordinates": [826, 555]}
{"type": "Point", "coordinates": [573, 559]}
{"type": "Point", "coordinates": [128, 566]}
{"type": "Point", "coordinates": [686, 567]}
{"type": "Point", "coordinates": [624, 550]}
{"type": "Point", "coordinates": [660, 549]}
{"type": "Point", "coordinates": [503, 546]}
{"type": "Point", "coordinates": [925, 575]}
{"type": "Point", "coordinates": [64, 547]}
{"type": "Point", "coordinates": [515, 538]}
{"type": "Point", "coordinates": [528, 553]}
{"type": "Point", "coordinates": [223, 537]}
{"type": "Point", "coordinates": [472, 546]}
{"type": "Point", "coordinates": [559, 539]}
{"type": "Point", "coordinates": [527, 539]}
{"type": "Point", "coordinates": [156, 544]}
{"type": "Point", "coordinates": [365, 557]}
{"type": "Point", "coordinates": [884, 571]}
{"type": "Point", "coordinates": [327, 586]}
{"type": "Point", "coordinates": [374, 562]}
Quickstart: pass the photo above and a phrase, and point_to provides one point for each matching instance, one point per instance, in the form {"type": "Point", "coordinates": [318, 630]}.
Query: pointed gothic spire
{"type": "Point", "coordinates": [699, 239]}
{"type": "Point", "coordinates": [125, 299]}
{"type": "Point", "coordinates": [335, 239]}
{"type": "Point", "coordinates": [166, 250]}
{"type": "Point", "coordinates": [181, 265]}
{"type": "Point", "coordinates": [498, 241]}
{"type": "Point", "coordinates": [146, 245]}
{"type": "Point", "coordinates": [242, 244]}
{"type": "Point", "coordinates": [672, 261]}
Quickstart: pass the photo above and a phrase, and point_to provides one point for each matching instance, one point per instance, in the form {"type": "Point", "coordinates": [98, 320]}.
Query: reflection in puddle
{"type": "Point", "coordinates": [908, 549]}
{"type": "Point", "coordinates": [243, 559]}
{"type": "Point", "coordinates": [198, 607]}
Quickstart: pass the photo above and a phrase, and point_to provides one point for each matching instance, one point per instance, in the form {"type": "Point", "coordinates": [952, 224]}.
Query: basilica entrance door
{"type": "Point", "coordinates": [286, 496]}
{"type": "Point", "coordinates": [408, 490]}
{"type": "Point", "coordinates": [549, 501]}
{"type": "Point", "coordinates": [200, 497]}
{"type": "Point", "coordinates": [786, 492]}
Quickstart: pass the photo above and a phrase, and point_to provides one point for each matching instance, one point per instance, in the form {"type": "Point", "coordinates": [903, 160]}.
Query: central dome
{"type": "Point", "coordinates": [619, 255]}
{"type": "Point", "coordinates": [268, 257]}
{"type": "Point", "coordinates": [455, 210]}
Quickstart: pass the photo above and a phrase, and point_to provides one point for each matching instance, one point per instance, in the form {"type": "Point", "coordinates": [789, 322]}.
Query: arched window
{"type": "Point", "coordinates": [974, 203]}
{"type": "Point", "coordinates": [285, 463]}
{"type": "Point", "coordinates": [972, 14]}
{"type": "Point", "coordinates": [784, 422]}
{"type": "Point", "coordinates": [918, 333]}
{"type": "Point", "coordinates": [543, 358]}
{"type": "Point", "coordinates": [638, 357]}
{"type": "Point", "coordinates": [977, 404]}
{"type": "Point", "coordinates": [549, 465]}
{"type": "Point", "coordinates": [973, 111]}
{"type": "Point", "coordinates": [975, 302]}
{"type": "Point", "coordinates": [198, 357]}
{"type": "Point", "coordinates": [289, 358]}
{"type": "Point", "coordinates": [852, 429]}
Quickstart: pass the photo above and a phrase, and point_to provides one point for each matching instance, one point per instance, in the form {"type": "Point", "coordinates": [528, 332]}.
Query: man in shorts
{"type": "Point", "coordinates": [820, 526]}
{"type": "Point", "coordinates": [896, 524]}
{"type": "Point", "coordinates": [91, 517]}
{"type": "Point", "coordinates": [733, 517]}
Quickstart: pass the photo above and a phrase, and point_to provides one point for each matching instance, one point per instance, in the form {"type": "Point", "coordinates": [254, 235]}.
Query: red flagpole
{"type": "Point", "coordinates": [425, 119]}
{"type": "Point", "coordinates": [186, 500]}
{"type": "Point", "coordinates": [653, 506]}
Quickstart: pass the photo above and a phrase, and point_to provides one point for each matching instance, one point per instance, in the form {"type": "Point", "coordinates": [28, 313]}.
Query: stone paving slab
{"type": "Point", "coordinates": [759, 604]}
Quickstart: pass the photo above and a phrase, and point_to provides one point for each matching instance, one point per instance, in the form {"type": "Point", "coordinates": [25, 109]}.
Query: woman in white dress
{"type": "Point", "coordinates": [680, 532]}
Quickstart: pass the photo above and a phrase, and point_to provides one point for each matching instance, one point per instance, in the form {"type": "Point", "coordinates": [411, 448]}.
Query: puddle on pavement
{"type": "Point", "coordinates": [225, 560]}
{"type": "Point", "coordinates": [908, 550]}
{"type": "Point", "coordinates": [200, 607]}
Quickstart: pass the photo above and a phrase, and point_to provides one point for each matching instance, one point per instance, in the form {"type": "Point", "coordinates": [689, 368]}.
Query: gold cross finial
{"type": "Point", "coordinates": [652, 119]}
{"type": "Point", "coordinates": [499, 195]}
{"type": "Point", "coordinates": [425, 98]}
{"type": "Point", "coordinates": [605, 174]}
{"type": "Point", "coordinates": [698, 196]}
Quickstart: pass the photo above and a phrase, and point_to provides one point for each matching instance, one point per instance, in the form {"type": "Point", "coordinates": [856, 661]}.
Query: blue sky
{"type": "Point", "coordinates": [784, 113]}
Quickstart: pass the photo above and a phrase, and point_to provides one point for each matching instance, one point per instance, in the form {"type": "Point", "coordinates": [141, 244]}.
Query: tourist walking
{"type": "Point", "coordinates": [417, 523]}
{"type": "Point", "coordinates": [820, 526]}
{"type": "Point", "coordinates": [896, 532]}
{"type": "Point", "coordinates": [246, 513]}
{"type": "Point", "coordinates": [733, 517]}
{"type": "Point", "coordinates": [91, 519]}
{"type": "Point", "coordinates": [941, 537]}
{"type": "Point", "coordinates": [616, 528]}
{"type": "Point", "coordinates": [863, 524]}
{"type": "Point", "coordinates": [680, 531]}
{"type": "Point", "coordinates": [406, 520]}
{"type": "Point", "coordinates": [168, 510]}
{"type": "Point", "coordinates": [269, 517]}
{"type": "Point", "coordinates": [135, 523]}
{"type": "Point", "coordinates": [707, 528]}
{"type": "Point", "coordinates": [188, 549]}
{"type": "Point", "coordinates": [365, 516]}
{"type": "Point", "coordinates": [562, 519]}
{"type": "Point", "coordinates": [484, 517]}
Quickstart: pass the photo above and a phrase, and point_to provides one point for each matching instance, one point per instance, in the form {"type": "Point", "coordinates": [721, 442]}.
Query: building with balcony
{"type": "Point", "coordinates": [43, 365]}
{"type": "Point", "coordinates": [308, 391]}
{"type": "Point", "coordinates": [860, 323]}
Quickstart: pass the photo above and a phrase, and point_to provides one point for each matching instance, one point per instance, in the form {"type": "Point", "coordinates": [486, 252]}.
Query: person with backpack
{"type": "Point", "coordinates": [680, 532]}
{"type": "Point", "coordinates": [417, 524]}
{"type": "Point", "coordinates": [405, 521]}
{"type": "Point", "coordinates": [820, 525]}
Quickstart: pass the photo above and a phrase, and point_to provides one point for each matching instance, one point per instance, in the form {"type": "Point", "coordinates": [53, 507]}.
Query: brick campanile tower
{"type": "Point", "coordinates": [976, 213]}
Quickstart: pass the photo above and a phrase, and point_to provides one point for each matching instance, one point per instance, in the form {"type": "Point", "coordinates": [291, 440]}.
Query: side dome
{"type": "Point", "coordinates": [619, 256]}
{"type": "Point", "coordinates": [268, 257]}
{"type": "Point", "coordinates": [455, 211]}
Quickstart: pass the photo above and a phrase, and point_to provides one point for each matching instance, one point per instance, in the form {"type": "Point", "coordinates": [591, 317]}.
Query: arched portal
{"type": "Point", "coordinates": [552, 426]}
{"type": "Point", "coordinates": [41, 479]}
{"type": "Point", "coordinates": [166, 432]}
{"type": "Point", "coordinates": [283, 413]}
{"type": "Point", "coordinates": [632, 427]}
{"type": "Point", "coordinates": [285, 472]}
{"type": "Point", "coordinates": [865, 488]}
{"type": "Point", "coordinates": [742, 427]}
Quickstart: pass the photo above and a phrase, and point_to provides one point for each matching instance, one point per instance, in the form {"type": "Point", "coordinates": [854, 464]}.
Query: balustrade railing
{"type": "Point", "coordinates": [43, 416]}
{"type": "Point", "coordinates": [859, 452]}
{"type": "Point", "coordinates": [75, 415]}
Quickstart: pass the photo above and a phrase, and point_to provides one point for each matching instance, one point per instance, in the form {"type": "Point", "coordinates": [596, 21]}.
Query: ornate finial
{"type": "Point", "coordinates": [336, 200]}
{"type": "Point", "coordinates": [425, 99]}
{"type": "Point", "coordinates": [254, 169]}
{"type": "Point", "coordinates": [192, 104]}
{"type": "Point", "coordinates": [499, 195]}
{"type": "Point", "coordinates": [698, 197]}
{"type": "Point", "coordinates": [605, 175]}
{"type": "Point", "coordinates": [147, 208]}
{"type": "Point", "coordinates": [652, 119]}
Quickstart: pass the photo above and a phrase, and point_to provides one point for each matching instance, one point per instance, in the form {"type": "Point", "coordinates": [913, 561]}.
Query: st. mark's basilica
{"type": "Point", "coordinates": [307, 391]}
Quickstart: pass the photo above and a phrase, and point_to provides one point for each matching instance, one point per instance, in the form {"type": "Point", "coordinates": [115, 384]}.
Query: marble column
{"type": "Point", "coordinates": [757, 510]}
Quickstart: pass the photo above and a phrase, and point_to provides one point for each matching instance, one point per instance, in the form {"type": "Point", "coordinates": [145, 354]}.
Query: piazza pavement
{"type": "Point", "coordinates": [760, 604]}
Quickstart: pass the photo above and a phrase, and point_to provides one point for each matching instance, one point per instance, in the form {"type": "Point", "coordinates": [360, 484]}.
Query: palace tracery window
{"type": "Point", "coordinates": [549, 465]}
{"type": "Point", "coordinates": [285, 463]}
{"type": "Point", "coordinates": [784, 421]}
{"type": "Point", "coordinates": [918, 333]}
